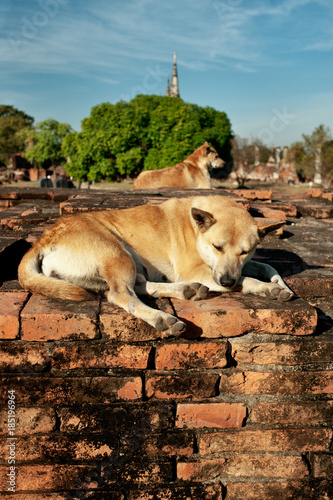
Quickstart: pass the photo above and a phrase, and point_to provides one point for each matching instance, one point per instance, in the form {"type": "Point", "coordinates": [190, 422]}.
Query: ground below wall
{"type": "Point", "coordinates": [96, 405]}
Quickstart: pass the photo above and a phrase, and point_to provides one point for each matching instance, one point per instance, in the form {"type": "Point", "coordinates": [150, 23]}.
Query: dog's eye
{"type": "Point", "coordinates": [219, 248]}
{"type": "Point", "coordinates": [244, 252]}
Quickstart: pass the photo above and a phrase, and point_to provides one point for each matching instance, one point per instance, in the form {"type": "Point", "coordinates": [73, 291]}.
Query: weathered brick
{"type": "Point", "coordinates": [254, 466]}
{"type": "Point", "coordinates": [10, 307]}
{"type": "Point", "coordinates": [63, 449]}
{"type": "Point", "coordinates": [273, 440]}
{"type": "Point", "coordinates": [292, 412]}
{"type": "Point", "coordinates": [20, 357]}
{"type": "Point", "coordinates": [48, 319]}
{"type": "Point", "coordinates": [189, 386]}
{"type": "Point", "coordinates": [306, 286]}
{"type": "Point", "coordinates": [141, 472]}
{"type": "Point", "coordinates": [202, 492]}
{"type": "Point", "coordinates": [287, 490]}
{"type": "Point", "coordinates": [210, 415]}
{"type": "Point", "coordinates": [254, 194]}
{"type": "Point", "coordinates": [323, 465]}
{"type": "Point", "coordinates": [203, 355]}
{"type": "Point", "coordinates": [101, 355]}
{"type": "Point", "coordinates": [118, 418]}
{"type": "Point", "coordinates": [51, 477]}
{"type": "Point", "coordinates": [29, 420]}
{"type": "Point", "coordinates": [230, 315]}
{"type": "Point", "coordinates": [276, 383]}
{"type": "Point", "coordinates": [170, 444]}
{"type": "Point", "coordinates": [78, 494]}
{"type": "Point", "coordinates": [300, 352]}
{"type": "Point", "coordinates": [270, 212]}
{"type": "Point", "coordinates": [45, 390]}
{"type": "Point", "coordinates": [117, 324]}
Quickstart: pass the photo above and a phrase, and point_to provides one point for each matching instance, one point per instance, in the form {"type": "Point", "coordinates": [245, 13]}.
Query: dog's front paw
{"type": "Point", "coordinates": [274, 291]}
{"type": "Point", "coordinates": [195, 291]}
{"type": "Point", "coordinates": [170, 326]}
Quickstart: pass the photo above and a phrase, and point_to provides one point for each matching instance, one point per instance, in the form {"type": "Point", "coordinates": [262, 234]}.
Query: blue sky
{"type": "Point", "coordinates": [268, 64]}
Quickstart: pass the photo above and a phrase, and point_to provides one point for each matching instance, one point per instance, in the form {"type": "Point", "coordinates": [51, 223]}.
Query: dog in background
{"type": "Point", "coordinates": [192, 173]}
{"type": "Point", "coordinates": [181, 248]}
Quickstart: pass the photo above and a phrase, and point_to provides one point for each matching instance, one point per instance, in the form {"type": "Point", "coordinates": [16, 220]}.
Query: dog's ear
{"type": "Point", "coordinates": [204, 220]}
{"type": "Point", "coordinates": [208, 149]}
{"type": "Point", "coordinates": [266, 226]}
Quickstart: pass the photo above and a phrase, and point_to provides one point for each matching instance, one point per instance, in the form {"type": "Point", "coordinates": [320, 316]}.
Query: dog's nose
{"type": "Point", "coordinates": [227, 282]}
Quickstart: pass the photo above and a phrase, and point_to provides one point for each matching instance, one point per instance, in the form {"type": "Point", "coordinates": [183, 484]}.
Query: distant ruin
{"type": "Point", "coordinates": [277, 168]}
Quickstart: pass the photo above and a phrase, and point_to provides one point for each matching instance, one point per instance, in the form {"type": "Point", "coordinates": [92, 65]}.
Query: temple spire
{"type": "Point", "coordinates": [167, 93]}
{"type": "Point", "coordinates": [173, 91]}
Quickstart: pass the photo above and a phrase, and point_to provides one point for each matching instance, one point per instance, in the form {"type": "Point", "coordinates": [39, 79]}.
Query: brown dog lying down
{"type": "Point", "coordinates": [192, 173]}
{"type": "Point", "coordinates": [181, 248]}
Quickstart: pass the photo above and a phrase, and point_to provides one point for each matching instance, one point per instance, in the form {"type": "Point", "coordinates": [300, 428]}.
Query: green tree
{"type": "Point", "coordinates": [313, 145]}
{"type": "Point", "coordinates": [12, 122]}
{"type": "Point", "coordinates": [149, 132]}
{"type": "Point", "coordinates": [327, 164]}
{"type": "Point", "coordinates": [303, 162]}
{"type": "Point", "coordinates": [45, 149]}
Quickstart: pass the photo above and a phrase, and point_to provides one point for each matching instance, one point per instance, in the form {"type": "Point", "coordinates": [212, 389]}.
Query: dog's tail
{"type": "Point", "coordinates": [31, 278]}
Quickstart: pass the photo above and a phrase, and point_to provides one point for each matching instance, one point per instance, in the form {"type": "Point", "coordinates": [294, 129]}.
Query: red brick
{"type": "Point", "coordinates": [291, 412]}
{"type": "Point", "coordinates": [55, 390]}
{"type": "Point", "coordinates": [305, 286]}
{"type": "Point", "coordinates": [51, 477]}
{"type": "Point", "coordinates": [202, 492]}
{"type": "Point", "coordinates": [230, 315]}
{"type": "Point", "coordinates": [81, 356]}
{"type": "Point", "coordinates": [168, 444]}
{"type": "Point", "coordinates": [117, 324]}
{"type": "Point", "coordinates": [203, 355]}
{"type": "Point", "coordinates": [300, 352]}
{"type": "Point", "coordinates": [29, 421]}
{"type": "Point", "coordinates": [10, 307]}
{"type": "Point", "coordinates": [276, 383]}
{"type": "Point", "coordinates": [61, 449]}
{"type": "Point", "coordinates": [156, 417]}
{"type": "Point", "coordinates": [272, 440]}
{"type": "Point", "coordinates": [254, 194]}
{"type": "Point", "coordinates": [20, 357]}
{"type": "Point", "coordinates": [189, 386]}
{"type": "Point", "coordinates": [254, 466]}
{"type": "Point", "coordinates": [142, 472]}
{"type": "Point", "coordinates": [46, 319]}
{"type": "Point", "coordinates": [9, 195]}
{"type": "Point", "coordinates": [286, 490]}
{"type": "Point", "coordinates": [270, 212]}
{"type": "Point", "coordinates": [210, 415]}
{"type": "Point", "coordinates": [319, 193]}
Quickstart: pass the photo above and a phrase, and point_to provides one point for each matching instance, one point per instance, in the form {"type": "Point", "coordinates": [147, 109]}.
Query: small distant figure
{"type": "Point", "coordinates": [61, 182]}
{"type": "Point", "coordinates": [45, 182]}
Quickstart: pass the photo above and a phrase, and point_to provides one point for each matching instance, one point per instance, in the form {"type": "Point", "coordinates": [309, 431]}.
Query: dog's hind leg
{"type": "Point", "coordinates": [121, 293]}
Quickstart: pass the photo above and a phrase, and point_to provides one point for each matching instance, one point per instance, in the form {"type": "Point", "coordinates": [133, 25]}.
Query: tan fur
{"type": "Point", "coordinates": [194, 244]}
{"type": "Point", "coordinates": [192, 173]}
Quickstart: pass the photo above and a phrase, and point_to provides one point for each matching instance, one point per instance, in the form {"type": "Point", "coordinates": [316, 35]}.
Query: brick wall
{"type": "Point", "coordinates": [239, 408]}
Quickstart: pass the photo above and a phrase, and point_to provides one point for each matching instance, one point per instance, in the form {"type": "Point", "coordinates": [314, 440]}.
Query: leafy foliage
{"type": "Point", "coordinates": [149, 132]}
{"type": "Point", "coordinates": [318, 146]}
{"type": "Point", "coordinates": [12, 123]}
{"type": "Point", "coordinates": [45, 148]}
